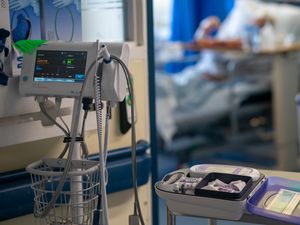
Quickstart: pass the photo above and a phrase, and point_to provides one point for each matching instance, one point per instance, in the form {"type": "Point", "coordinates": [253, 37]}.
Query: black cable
{"type": "Point", "coordinates": [86, 112]}
{"type": "Point", "coordinates": [63, 153]}
{"type": "Point", "coordinates": [58, 101]}
{"type": "Point", "coordinates": [67, 134]}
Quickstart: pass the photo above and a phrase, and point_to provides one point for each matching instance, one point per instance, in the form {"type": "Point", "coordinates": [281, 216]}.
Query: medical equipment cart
{"type": "Point", "coordinates": [252, 204]}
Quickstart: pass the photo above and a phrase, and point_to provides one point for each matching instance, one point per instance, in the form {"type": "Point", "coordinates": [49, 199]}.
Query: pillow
{"type": "Point", "coordinates": [286, 18]}
{"type": "Point", "coordinates": [242, 14]}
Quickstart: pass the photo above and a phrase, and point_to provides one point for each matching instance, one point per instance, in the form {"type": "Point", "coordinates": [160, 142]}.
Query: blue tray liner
{"type": "Point", "coordinates": [273, 184]}
{"type": "Point", "coordinates": [16, 195]}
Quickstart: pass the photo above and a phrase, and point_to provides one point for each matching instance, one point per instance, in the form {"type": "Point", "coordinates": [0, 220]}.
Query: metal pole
{"type": "Point", "coordinates": [212, 222]}
{"type": "Point", "coordinates": [232, 100]}
{"type": "Point", "coordinates": [76, 182]}
{"type": "Point", "coordinates": [285, 87]}
{"type": "Point", "coordinates": [171, 218]}
{"type": "Point", "coordinates": [42, 20]}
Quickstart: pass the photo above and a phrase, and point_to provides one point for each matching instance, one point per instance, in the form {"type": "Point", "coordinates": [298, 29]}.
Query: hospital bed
{"type": "Point", "coordinates": [282, 80]}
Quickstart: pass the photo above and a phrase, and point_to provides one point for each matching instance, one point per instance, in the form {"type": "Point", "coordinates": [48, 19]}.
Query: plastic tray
{"type": "Point", "coordinates": [271, 186]}
{"type": "Point", "coordinates": [226, 178]}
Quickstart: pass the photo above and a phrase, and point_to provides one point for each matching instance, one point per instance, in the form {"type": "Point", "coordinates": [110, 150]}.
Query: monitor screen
{"type": "Point", "coordinates": [60, 66]}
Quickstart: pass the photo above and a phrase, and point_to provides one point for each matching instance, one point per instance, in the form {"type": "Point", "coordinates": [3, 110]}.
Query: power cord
{"type": "Point", "coordinates": [58, 101]}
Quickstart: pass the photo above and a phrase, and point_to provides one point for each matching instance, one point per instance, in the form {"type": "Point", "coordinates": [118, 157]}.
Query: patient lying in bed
{"type": "Point", "coordinates": [201, 94]}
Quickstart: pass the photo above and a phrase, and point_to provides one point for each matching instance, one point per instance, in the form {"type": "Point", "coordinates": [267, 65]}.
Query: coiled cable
{"type": "Point", "coordinates": [99, 106]}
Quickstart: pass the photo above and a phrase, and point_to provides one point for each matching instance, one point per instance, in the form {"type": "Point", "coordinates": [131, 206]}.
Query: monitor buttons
{"type": "Point", "coordinates": [25, 78]}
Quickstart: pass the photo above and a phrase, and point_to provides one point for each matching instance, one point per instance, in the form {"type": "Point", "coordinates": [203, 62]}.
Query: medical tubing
{"type": "Point", "coordinates": [66, 170]}
{"type": "Point", "coordinates": [64, 122]}
{"type": "Point", "coordinates": [62, 154]}
{"type": "Point", "coordinates": [106, 135]}
{"type": "Point", "coordinates": [69, 158]}
{"type": "Point", "coordinates": [44, 111]}
{"type": "Point", "coordinates": [131, 93]}
{"type": "Point", "coordinates": [98, 103]}
{"type": "Point", "coordinates": [84, 148]}
{"type": "Point", "coordinates": [58, 101]}
{"type": "Point", "coordinates": [133, 137]}
{"type": "Point", "coordinates": [67, 145]}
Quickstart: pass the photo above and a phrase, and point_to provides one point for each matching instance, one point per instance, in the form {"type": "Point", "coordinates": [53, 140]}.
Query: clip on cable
{"type": "Point", "coordinates": [69, 139]}
{"type": "Point", "coordinates": [87, 104]}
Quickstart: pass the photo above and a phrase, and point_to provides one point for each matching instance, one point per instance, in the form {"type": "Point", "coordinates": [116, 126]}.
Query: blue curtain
{"type": "Point", "coordinates": [186, 17]}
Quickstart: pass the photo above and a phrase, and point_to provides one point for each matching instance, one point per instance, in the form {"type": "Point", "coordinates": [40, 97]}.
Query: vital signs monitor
{"type": "Point", "coordinates": [59, 69]}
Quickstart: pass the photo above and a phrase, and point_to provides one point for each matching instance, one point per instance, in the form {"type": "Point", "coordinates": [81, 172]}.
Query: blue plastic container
{"type": "Point", "coordinates": [271, 186]}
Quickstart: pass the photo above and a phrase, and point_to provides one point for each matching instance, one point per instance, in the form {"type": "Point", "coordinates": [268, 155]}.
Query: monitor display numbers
{"type": "Point", "coordinates": [60, 66]}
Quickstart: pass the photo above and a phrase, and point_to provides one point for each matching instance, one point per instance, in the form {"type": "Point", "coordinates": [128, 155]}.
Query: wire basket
{"type": "Point", "coordinates": [78, 199]}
